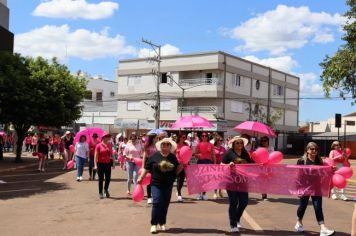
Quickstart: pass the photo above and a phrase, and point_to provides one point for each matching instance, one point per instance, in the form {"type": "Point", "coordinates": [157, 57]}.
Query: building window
{"type": "Point", "coordinates": [164, 78]}
{"type": "Point", "coordinates": [165, 105]}
{"type": "Point", "coordinates": [209, 75]}
{"type": "Point", "coordinates": [236, 80]}
{"type": "Point", "coordinates": [134, 105]}
{"type": "Point", "coordinates": [236, 107]}
{"type": "Point", "coordinates": [277, 90]}
{"type": "Point", "coordinates": [88, 95]}
{"type": "Point", "coordinates": [258, 84]}
{"type": "Point", "coordinates": [133, 80]}
{"type": "Point", "coordinates": [112, 94]}
{"type": "Point", "coordinates": [99, 96]}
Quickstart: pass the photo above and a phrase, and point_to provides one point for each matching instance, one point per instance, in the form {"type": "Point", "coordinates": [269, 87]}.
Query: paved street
{"type": "Point", "coordinates": [53, 203]}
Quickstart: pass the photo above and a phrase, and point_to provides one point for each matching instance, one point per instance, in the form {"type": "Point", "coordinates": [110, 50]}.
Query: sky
{"type": "Point", "coordinates": [93, 35]}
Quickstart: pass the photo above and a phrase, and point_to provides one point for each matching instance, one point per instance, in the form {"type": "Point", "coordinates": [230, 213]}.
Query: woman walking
{"type": "Point", "coordinates": [67, 141]}
{"type": "Point", "coordinates": [164, 167]}
{"type": "Point", "coordinates": [219, 153]}
{"type": "Point", "coordinates": [103, 161]}
{"type": "Point", "coordinates": [149, 149]}
{"type": "Point", "coordinates": [42, 148]}
{"type": "Point", "coordinates": [81, 155]}
{"type": "Point", "coordinates": [238, 201]}
{"type": "Point", "coordinates": [205, 154]}
{"type": "Point", "coordinates": [92, 146]}
{"type": "Point", "coordinates": [181, 142]}
{"type": "Point", "coordinates": [311, 157]}
{"type": "Point", "coordinates": [339, 157]}
{"type": "Point", "coordinates": [132, 150]}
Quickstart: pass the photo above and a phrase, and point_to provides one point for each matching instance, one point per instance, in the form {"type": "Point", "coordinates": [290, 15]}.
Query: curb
{"type": "Point", "coordinates": [22, 167]}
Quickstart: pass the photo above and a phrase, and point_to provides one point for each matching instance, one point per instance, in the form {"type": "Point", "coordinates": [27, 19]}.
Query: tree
{"type": "Point", "coordinates": [339, 70]}
{"type": "Point", "coordinates": [36, 92]}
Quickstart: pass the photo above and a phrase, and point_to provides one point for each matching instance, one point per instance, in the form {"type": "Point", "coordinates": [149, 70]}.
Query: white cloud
{"type": "Point", "coordinates": [166, 50]}
{"type": "Point", "coordinates": [74, 9]}
{"type": "Point", "coordinates": [285, 28]}
{"type": "Point", "coordinates": [283, 63]}
{"type": "Point", "coordinates": [310, 84]}
{"type": "Point", "coordinates": [59, 41]}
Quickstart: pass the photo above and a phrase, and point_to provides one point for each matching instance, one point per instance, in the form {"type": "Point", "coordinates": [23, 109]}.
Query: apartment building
{"type": "Point", "coordinates": [219, 86]}
{"type": "Point", "coordinates": [7, 38]}
{"type": "Point", "coordinates": [100, 103]}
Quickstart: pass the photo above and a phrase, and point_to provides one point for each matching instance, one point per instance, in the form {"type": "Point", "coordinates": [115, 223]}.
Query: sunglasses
{"type": "Point", "coordinates": [313, 149]}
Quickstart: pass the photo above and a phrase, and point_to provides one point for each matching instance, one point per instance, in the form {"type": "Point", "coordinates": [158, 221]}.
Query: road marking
{"type": "Point", "coordinates": [252, 222]}
{"type": "Point", "coordinates": [20, 190]}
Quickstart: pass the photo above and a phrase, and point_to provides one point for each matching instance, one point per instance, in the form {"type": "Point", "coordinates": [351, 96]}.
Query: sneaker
{"type": "Point", "coordinates": [238, 225]}
{"type": "Point", "coordinates": [326, 232]}
{"type": "Point", "coordinates": [179, 199]}
{"type": "Point", "coordinates": [101, 196]}
{"type": "Point", "coordinates": [205, 197]}
{"type": "Point", "coordinates": [162, 227]}
{"type": "Point", "coordinates": [200, 196]}
{"type": "Point", "coordinates": [333, 196]}
{"type": "Point", "coordinates": [299, 227]}
{"type": "Point", "coordinates": [153, 229]}
{"type": "Point", "coordinates": [343, 197]}
{"type": "Point", "coordinates": [78, 179]}
{"type": "Point", "coordinates": [149, 200]}
{"type": "Point", "coordinates": [107, 194]}
{"type": "Point", "coordinates": [215, 196]}
{"type": "Point", "coordinates": [234, 230]}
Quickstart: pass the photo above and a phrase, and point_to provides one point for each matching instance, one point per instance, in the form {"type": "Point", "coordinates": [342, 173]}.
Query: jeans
{"type": "Point", "coordinates": [180, 182]}
{"type": "Point", "coordinates": [205, 161]}
{"type": "Point", "coordinates": [80, 165]}
{"type": "Point", "coordinates": [132, 174]}
{"type": "Point", "coordinates": [28, 148]}
{"type": "Point", "coordinates": [149, 192]}
{"type": "Point", "coordinates": [104, 169]}
{"type": "Point", "coordinates": [317, 204]}
{"type": "Point", "coordinates": [161, 198]}
{"type": "Point", "coordinates": [238, 201]}
{"type": "Point", "coordinates": [92, 172]}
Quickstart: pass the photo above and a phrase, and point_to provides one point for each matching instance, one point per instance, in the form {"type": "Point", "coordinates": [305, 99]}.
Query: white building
{"type": "Point", "coordinates": [100, 104]}
{"type": "Point", "coordinates": [218, 86]}
{"type": "Point", "coordinates": [328, 126]}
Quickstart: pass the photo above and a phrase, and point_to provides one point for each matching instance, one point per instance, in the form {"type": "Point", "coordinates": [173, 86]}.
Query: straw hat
{"type": "Point", "coordinates": [67, 132]}
{"type": "Point", "coordinates": [166, 140]}
{"type": "Point", "coordinates": [237, 138]}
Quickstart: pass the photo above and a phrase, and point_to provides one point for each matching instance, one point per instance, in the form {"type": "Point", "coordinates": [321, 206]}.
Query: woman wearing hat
{"type": "Point", "coordinates": [164, 167]}
{"type": "Point", "coordinates": [238, 201]}
{"type": "Point", "coordinates": [339, 157]}
{"type": "Point", "coordinates": [92, 145]}
{"type": "Point", "coordinates": [103, 161]}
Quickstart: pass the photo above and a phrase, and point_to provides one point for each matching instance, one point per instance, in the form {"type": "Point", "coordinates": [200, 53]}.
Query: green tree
{"type": "Point", "coordinates": [34, 91]}
{"type": "Point", "coordinates": [339, 70]}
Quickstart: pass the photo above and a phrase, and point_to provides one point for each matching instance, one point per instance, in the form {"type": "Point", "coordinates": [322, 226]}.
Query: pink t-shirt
{"type": "Point", "coordinates": [104, 152]}
{"type": "Point", "coordinates": [205, 149]}
{"type": "Point", "coordinates": [133, 151]}
{"type": "Point", "coordinates": [336, 153]}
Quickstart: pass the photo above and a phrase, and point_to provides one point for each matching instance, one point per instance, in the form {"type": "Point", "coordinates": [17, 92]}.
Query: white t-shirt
{"type": "Point", "coordinates": [81, 149]}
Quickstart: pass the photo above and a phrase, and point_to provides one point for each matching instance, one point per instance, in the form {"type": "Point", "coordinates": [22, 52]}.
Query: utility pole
{"type": "Point", "coordinates": [157, 49]}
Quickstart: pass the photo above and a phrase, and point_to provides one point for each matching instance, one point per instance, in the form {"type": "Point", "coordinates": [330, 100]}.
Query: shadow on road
{"type": "Point", "coordinates": [28, 182]}
{"type": "Point", "coordinates": [194, 231]}
{"type": "Point", "coordinates": [283, 233]}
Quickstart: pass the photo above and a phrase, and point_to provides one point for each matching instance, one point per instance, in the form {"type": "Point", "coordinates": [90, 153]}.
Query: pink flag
{"type": "Point", "coordinates": [255, 178]}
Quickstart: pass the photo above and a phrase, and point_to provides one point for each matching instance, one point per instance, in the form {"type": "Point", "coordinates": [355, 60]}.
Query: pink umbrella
{"type": "Point", "coordinates": [192, 122]}
{"type": "Point", "coordinates": [88, 132]}
{"type": "Point", "coordinates": [255, 128]}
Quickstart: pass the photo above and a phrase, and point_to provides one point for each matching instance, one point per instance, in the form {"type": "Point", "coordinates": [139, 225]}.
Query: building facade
{"type": "Point", "coordinates": [100, 103]}
{"type": "Point", "coordinates": [7, 38]}
{"type": "Point", "coordinates": [221, 87]}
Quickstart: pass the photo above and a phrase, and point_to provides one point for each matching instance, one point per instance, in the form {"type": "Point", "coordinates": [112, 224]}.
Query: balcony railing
{"type": "Point", "coordinates": [200, 81]}
{"type": "Point", "coordinates": [198, 109]}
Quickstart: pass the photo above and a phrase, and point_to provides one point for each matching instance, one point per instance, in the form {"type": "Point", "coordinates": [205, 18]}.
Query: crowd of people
{"type": "Point", "coordinates": [158, 154]}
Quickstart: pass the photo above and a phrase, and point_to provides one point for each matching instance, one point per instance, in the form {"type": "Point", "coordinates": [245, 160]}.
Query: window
{"type": "Point", "coordinates": [209, 75]}
{"type": "Point", "coordinates": [164, 78]}
{"type": "Point", "coordinates": [112, 94]}
{"type": "Point", "coordinates": [165, 105]}
{"type": "Point", "coordinates": [277, 90]}
{"type": "Point", "coordinates": [88, 95]}
{"type": "Point", "coordinates": [99, 96]}
{"type": "Point", "coordinates": [133, 80]}
{"type": "Point", "coordinates": [134, 105]}
{"type": "Point", "coordinates": [236, 80]}
{"type": "Point", "coordinates": [236, 107]}
{"type": "Point", "coordinates": [258, 84]}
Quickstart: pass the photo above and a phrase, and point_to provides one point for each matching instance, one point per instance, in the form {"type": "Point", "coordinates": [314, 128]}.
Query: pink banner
{"type": "Point", "coordinates": [255, 178]}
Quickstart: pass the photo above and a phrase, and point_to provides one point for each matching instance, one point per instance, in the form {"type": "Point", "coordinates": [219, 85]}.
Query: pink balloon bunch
{"type": "Point", "coordinates": [185, 154]}
{"type": "Point", "coordinates": [275, 157]}
{"type": "Point", "coordinates": [138, 193]}
{"type": "Point", "coordinates": [70, 164]}
{"type": "Point", "coordinates": [262, 156]}
{"type": "Point", "coordinates": [340, 176]}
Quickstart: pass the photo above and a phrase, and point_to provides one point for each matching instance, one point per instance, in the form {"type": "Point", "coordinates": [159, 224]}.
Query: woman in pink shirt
{"type": "Point", "coordinates": [149, 149]}
{"type": "Point", "coordinates": [132, 150]}
{"type": "Point", "coordinates": [219, 153]}
{"type": "Point", "coordinates": [205, 154]}
{"type": "Point", "coordinates": [339, 157]}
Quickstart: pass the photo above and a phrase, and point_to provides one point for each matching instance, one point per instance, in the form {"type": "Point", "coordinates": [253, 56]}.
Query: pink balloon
{"type": "Point", "coordinates": [185, 154]}
{"type": "Point", "coordinates": [348, 152]}
{"type": "Point", "coordinates": [138, 162]}
{"type": "Point", "coordinates": [70, 164]}
{"type": "Point", "coordinates": [345, 171]}
{"type": "Point", "coordinates": [138, 193]}
{"type": "Point", "coordinates": [328, 162]}
{"type": "Point", "coordinates": [275, 157]}
{"type": "Point", "coordinates": [71, 148]}
{"type": "Point", "coordinates": [339, 181]}
{"type": "Point", "coordinates": [147, 180]}
{"type": "Point", "coordinates": [261, 155]}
